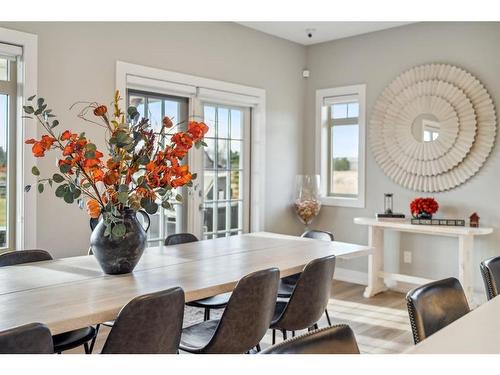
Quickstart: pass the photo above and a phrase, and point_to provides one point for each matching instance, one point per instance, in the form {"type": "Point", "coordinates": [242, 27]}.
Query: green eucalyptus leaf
{"type": "Point", "coordinates": [65, 168]}
{"type": "Point", "coordinates": [40, 188]}
{"type": "Point", "coordinates": [178, 198]}
{"type": "Point", "coordinates": [77, 193]}
{"type": "Point", "coordinates": [123, 188]}
{"type": "Point", "coordinates": [166, 205]}
{"type": "Point", "coordinates": [57, 178]}
{"type": "Point", "coordinates": [61, 190]}
{"type": "Point", "coordinates": [28, 109]}
{"type": "Point", "coordinates": [40, 101]}
{"type": "Point", "coordinates": [123, 197]}
{"type": "Point", "coordinates": [149, 206]}
{"type": "Point", "coordinates": [31, 97]}
{"type": "Point", "coordinates": [89, 154]}
{"type": "Point", "coordinates": [68, 197]}
{"type": "Point", "coordinates": [38, 111]}
{"type": "Point", "coordinates": [35, 171]}
{"type": "Point", "coordinates": [54, 123]}
{"type": "Point", "coordinates": [27, 188]}
{"type": "Point", "coordinates": [119, 230]}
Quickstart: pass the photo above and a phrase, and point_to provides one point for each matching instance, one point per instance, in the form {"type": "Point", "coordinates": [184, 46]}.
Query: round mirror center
{"type": "Point", "coordinates": [426, 127]}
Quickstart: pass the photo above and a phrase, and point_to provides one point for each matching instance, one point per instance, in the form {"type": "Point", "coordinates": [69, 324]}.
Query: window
{"type": "Point", "coordinates": [341, 140]}
{"type": "Point", "coordinates": [8, 93]}
{"type": "Point", "coordinates": [225, 171]}
{"type": "Point", "coordinates": [155, 107]}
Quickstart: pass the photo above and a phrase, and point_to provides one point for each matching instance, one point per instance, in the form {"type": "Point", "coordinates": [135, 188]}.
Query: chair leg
{"type": "Point", "coordinates": [315, 325]}
{"type": "Point", "coordinates": [86, 347]}
{"type": "Point", "coordinates": [257, 347]}
{"type": "Point", "coordinates": [284, 334]}
{"type": "Point", "coordinates": [92, 343]}
{"type": "Point", "coordinates": [207, 313]}
{"type": "Point", "coordinates": [328, 318]}
{"type": "Point", "coordinates": [293, 333]}
{"type": "Point", "coordinates": [274, 336]}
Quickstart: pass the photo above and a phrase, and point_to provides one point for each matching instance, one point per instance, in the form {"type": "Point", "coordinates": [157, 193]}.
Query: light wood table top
{"type": "Point", "coordinates": [71, 293]}
{"type": "Point", "coordinates": [478, 332]}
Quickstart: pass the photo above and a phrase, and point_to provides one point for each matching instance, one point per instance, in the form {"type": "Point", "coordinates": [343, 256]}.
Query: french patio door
{"type": "Point", "coordinates": [224, 181]}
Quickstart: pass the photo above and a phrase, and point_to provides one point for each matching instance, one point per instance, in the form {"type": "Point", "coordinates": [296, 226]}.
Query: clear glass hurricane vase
{"type": "Point", "coordinates": [307, 204]}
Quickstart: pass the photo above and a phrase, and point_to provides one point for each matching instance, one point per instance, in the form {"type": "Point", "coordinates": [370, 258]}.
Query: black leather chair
{"type": "Point", "coordinates": [34, 338]}
{"type": "Point", "coordinates": [308, 300]}
{"type": "Point", "coordinates": [490, 270]}
{"type": "Point", "coordinates": [211, 303]}
{"type": "Point", "coordinates": [149, 324]}
{"type": "Point", "coordinates": [63, 341]}
{"type": "Point", "coordinates": [338, 339]}
{"type": "Point", "coordinates": [288, 283]}
{"type": "Point", "coordinates": [435, 305]}
{"type": "Point", "coordinates": [244, 321]}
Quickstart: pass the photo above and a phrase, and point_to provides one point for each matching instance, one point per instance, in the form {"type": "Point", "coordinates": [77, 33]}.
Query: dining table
{"type": "Point", "coordinates": [71, 293]}
{"type": "Point", "coordinates": [477, 332]}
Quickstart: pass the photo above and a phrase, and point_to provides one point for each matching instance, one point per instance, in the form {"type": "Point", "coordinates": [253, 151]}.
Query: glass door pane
{"type": "Point", "coordinates": [225, 185]}
{"type": "Point", "coordinates": [8, 93]}
{"type": "Point", "coordinates": [155, 107]}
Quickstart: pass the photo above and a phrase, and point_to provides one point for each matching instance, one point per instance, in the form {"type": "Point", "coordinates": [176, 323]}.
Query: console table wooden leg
{"type": "Point", "coordinates": [375, 262]}
{"type": "Point", "coordinates": [465, 265]}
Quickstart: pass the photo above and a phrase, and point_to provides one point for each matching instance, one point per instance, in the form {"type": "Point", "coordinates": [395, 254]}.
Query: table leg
{"type": "Point", "coordinates": [465, 265]}
{"type": "Point", "coordinates": [375, 262]}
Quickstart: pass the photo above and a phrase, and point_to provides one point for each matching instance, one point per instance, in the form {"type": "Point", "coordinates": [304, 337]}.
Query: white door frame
{"type": "Point", "coordinates": [27, 75]}
{"type": "Point", "coordinates": [199, 89]}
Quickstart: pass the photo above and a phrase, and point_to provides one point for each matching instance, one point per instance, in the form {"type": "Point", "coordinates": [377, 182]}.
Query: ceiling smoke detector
{"type": "Point", "coordinates": [310, 32]}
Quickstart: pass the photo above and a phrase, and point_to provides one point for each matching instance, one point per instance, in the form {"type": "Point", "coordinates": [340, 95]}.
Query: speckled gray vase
{"type": "Point", "coordinates": [120, 255]}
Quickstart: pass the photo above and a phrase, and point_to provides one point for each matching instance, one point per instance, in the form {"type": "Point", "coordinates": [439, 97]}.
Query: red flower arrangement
{"type": "Point", "coordinates": [423, 207]}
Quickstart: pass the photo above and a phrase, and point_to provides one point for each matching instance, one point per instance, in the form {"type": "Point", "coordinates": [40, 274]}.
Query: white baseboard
{"type": "Point", "coordinates": [361, 278]}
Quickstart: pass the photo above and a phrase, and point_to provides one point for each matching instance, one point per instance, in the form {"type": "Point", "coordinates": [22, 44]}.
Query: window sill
{"type": "Point", "coordinates": [343, 202]}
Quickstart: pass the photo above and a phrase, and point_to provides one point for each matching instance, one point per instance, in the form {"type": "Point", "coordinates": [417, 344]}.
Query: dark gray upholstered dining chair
{"type": "Point", "coordinates": [244, 321]}
{"type": "Point", "coordinates": [149, 324]}
{"type": "Point", "coordinates": [308, 300]}
{"type": "Point", "coordinates": [490, 270]}
{"type": "Point", "coordinates": [33, 338]}
{"type": "Point", "coordinates": [433, 306]}
{"type": "Point", "coordinates": [63, 341]}
{"type": "Point", "coordinates": [210, 303]}
{"type": "Point", "coordinates": [288, 283]}
{"type": "Point", "coordinates": [338, 339]}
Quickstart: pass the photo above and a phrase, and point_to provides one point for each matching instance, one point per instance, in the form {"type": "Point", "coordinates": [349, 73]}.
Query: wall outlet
{"type": "Point", "coordinates": [407, 256]}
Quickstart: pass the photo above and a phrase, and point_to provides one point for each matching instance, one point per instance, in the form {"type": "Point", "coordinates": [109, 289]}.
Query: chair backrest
{"type": "Point", "coordinates": [34, 338]}
{"type": "Point", "coordinates": [337, 339]}
{"type": "Point", "coordinates": [149, 324]}
{"type": "Point", "coordinates": [180, 238]}
{"type": "Point", "coordinates": [490, 270]}
{"type": "Point", "coordinates": [248, 314]}
{"type": "Point", "coordinates": [435, 305]}
{"type": "Point", "coordinates": [318, 235]}
{"type": "Point", "coordinates": [12, 258]}
{"type": "Point", "coordinates": [310, 295]}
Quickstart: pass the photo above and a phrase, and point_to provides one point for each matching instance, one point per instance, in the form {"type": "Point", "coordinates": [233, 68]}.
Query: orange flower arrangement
{"type": "Point", "coordinates": [142, 171]}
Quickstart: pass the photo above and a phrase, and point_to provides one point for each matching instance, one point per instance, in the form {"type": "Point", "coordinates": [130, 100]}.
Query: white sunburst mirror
{"type": "Point", "coordinates": [432, 128]}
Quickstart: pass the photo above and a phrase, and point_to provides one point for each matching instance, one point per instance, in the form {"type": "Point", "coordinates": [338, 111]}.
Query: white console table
{"type": "Point", "coordinates": [376, 272]}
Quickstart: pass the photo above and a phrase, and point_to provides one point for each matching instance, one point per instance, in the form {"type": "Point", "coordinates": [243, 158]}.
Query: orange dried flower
{"type": "Point", "coordinates": [100, 111]}
{"type": "Point", "coordinates": [167, 122]}
{"type": "Point", "coordinates": [93, 208]}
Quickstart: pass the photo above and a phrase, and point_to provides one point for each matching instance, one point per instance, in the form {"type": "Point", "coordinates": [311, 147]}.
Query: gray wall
{"type": "Point", "coordinates": [77, 62]}
{"type": "Point", "coordinates": [376, 59]}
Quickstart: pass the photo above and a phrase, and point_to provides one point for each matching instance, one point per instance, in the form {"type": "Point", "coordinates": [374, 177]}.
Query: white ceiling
{"type": "Point", "coordinates": [324, 31]}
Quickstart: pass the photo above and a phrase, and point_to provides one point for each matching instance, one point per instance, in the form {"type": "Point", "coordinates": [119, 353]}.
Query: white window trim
{"type": "Point", "coordinates": [205, 89]}
{"type": "Point", "coordinates": [322, 144]}
{"type": "Point", "coordinates": [26, 207]}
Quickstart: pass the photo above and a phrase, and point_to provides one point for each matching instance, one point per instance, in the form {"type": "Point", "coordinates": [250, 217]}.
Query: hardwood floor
{"type": "Point", "coordinates": [380, 323]}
